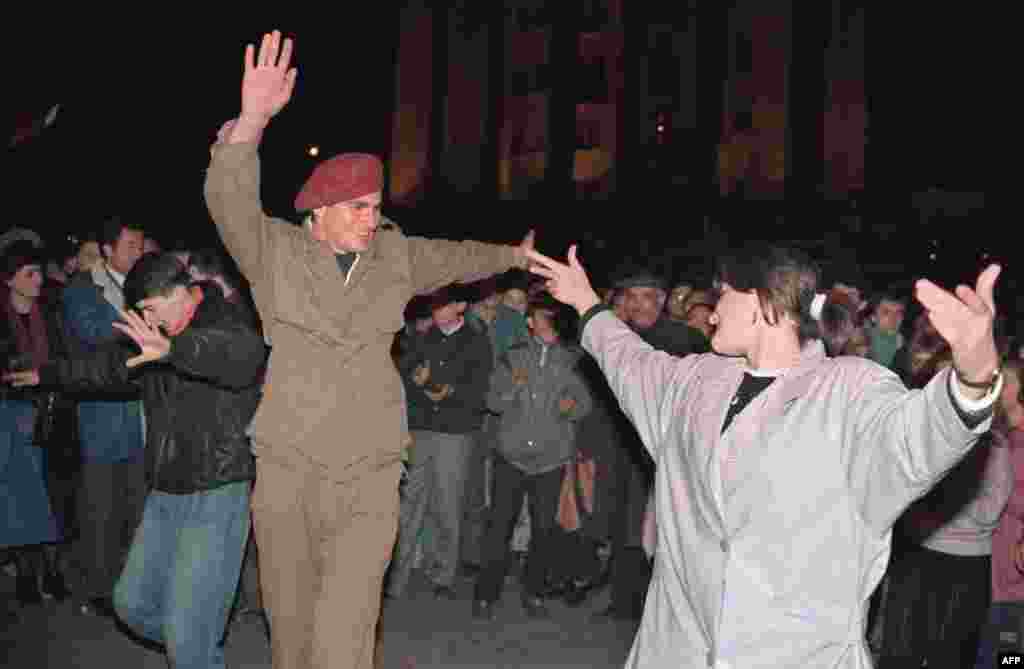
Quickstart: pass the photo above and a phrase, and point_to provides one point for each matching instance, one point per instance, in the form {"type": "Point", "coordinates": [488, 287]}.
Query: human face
{"type": "Point", "coordinates": [733, 319]}
{"type": "Point", "coordinates": [70, 265]}
{"type": "Point", "coordinates": [889, 315]}
{"type": "Point", "coordinates": [486, 309]}
{"type": "Point", "coordinates": [542, 326]}
{"type": "Point", "coordinates": [126, 251]}
{"type": "Point", "coordinates": [27, 282]}
{"type": "Point", "coordinates": [858, 345]}
{"type": "Point", "coordinates": [350, 226]}
{"type": "Point", "coordinates": [677, 302]}
{"type": "Point", "coordinates": [853, 292]}
{"type": "Point", "coordinates": [643, 306]}
{"type": "Point", "coordinates": [166, 312]}
{"type": "Point", "coordinates": [515, 298]}
{"type": "Point", "coordinates": [699, 317]}
{"type": "Point", "coordinates": [619, 305]}
{"type": "Point", "coordinates": [88, 256]}
{"type": "Point", "coordinates": [449, 314]}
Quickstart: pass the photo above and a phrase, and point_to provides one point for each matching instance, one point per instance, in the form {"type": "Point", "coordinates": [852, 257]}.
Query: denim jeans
{"type": "Point", "coordinates": [182, 571]}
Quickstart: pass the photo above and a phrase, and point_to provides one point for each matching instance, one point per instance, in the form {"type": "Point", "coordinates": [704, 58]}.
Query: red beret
{"type": "Point", "coordinates": [343, 177]}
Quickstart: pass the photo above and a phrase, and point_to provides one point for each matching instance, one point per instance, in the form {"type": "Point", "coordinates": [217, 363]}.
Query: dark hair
{"type": "Point", "coordinates": [17, 255]}
{"type": "Point", "coordinates": [155, 274]}
{"type": "Point", "coordinates": [449, 295]}
{"type": "Point", "coordinates": [784, 279]}
{"type": "Point", "coordinates": [543, 302]}
{"type": "Point", "coordinates": [110, 231]}
{"type": "Point", "coordinates": [208, 261]}
{"type": "Point", "coordinates": [709, 307]}
{"type": "Point", "coordinates": [839, 321]}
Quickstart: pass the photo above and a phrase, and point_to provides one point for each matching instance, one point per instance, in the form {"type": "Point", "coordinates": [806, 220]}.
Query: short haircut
{"type": "Point", "coordinates": [18, 255]}
{"type": "Point", "coordinates": [208, 261]}
{"type": "Point", "coordinates": [110, 231]}
{"type": "Point", "coordinates": [154, 275]}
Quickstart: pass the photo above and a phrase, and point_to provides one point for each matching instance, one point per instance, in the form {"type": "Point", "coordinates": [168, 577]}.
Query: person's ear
{"type": "Point", "coordinates": [316, 226]}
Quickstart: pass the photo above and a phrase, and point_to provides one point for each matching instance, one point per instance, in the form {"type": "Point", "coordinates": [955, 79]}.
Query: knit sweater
{"type": "Point", "coordinates": [960, 514]}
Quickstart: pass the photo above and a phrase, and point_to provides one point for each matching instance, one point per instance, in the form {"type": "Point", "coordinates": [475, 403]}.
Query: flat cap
{"type": "Point", "coordinates": [641, 279]}
{"type": "Point", "coordinates": [344, 177]}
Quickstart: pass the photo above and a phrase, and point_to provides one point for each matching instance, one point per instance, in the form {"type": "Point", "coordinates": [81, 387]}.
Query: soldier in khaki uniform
{"type": "Point", "coordinates": [329, 432]}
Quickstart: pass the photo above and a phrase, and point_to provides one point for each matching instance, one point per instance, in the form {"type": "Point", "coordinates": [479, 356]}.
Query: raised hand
{"type": "Point", "coordinates": [268, 81]}
{"type": "Point", "coordinates": [153, 344]}
{"type": "Point", "coordinates": [567, 283]}
{"type": "Point", "coordinates": [965, 319]}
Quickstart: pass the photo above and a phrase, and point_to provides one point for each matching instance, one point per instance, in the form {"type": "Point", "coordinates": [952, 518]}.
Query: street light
{"type": "Point", "coordinates": [314, 151]}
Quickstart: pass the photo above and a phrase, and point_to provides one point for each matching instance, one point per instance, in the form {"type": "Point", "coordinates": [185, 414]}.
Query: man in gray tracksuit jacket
{"type": "Point", "coordinates": [540, 395]}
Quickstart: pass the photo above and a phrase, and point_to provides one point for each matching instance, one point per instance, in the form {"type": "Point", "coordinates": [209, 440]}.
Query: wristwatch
{"type": "Point", "coordinates": [986, 385]}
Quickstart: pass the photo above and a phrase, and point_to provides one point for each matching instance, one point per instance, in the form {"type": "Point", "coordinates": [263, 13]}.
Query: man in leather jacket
{"type": "Point", "coordinates": [198, 370]}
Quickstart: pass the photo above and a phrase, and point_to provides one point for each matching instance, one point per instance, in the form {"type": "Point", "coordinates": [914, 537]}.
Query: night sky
{"type": "Point", "coordinates": [133, 133]}
{"type": "Point", "coordinates": [142, 100]}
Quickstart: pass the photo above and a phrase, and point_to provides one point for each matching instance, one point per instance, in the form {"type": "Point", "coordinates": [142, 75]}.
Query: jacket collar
{"type": "Point", "coordinates": [320, 257]}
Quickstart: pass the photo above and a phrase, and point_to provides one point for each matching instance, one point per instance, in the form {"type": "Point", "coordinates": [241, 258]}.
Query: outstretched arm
{"type": "Point", "coordinates": [646, 382]}
{"type": "Point", "coordinates": [900, 442]}
{"type": "Point", "coordinates": [438, 262]}
{"type": "Point", "coordinates": [232, 186]}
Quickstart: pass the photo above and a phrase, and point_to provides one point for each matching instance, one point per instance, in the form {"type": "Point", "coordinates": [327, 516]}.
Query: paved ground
{"type": "Point", "coordinates": [419, 633]}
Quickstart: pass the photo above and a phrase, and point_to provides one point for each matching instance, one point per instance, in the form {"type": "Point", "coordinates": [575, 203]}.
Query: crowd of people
{"type": "Point", "coordinates": [774, 469]}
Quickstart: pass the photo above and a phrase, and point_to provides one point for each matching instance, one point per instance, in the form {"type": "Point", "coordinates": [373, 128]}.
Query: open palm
{"type": "Point", "coordinates": [268, 81]}
{"type": "Point", "coordinates": [965, 319]}
{"type": "Point", "coordinates": [152, 343]}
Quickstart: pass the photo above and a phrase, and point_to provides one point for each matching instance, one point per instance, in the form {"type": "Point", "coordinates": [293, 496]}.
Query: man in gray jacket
{"type": "Point", "coordinates": [539, 395]}
{"type": "Point", "coordinates": [780, 472]}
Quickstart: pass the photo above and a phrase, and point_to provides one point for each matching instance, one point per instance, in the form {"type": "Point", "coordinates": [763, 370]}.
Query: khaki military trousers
{"type": "Point", "coordinates": [324, 547]}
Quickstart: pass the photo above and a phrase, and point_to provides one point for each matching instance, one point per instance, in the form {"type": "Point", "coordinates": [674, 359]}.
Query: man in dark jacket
{"type": "Point", "coordinates": [111, 486]}
{"type": "Point", "coordinates": [197, 368]}
{"type": "Point", "coordinates": [446, 374]}
{"type": "Point", "coordinates": [644, 296]}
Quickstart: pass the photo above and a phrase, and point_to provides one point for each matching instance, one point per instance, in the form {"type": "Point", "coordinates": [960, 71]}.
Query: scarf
{"type": "Point", "coordinates": [31, 340]}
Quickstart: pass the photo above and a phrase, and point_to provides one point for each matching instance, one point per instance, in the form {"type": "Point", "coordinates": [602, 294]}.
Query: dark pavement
{"type": "Point", "coordinates": [419, 632]}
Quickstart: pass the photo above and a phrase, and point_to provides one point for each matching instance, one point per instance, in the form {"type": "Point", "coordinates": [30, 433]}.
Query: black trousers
{"type": "Point", "coordinates": [510, 484]}
{"type": "Point", "coordinates": [935, 609]}
{"type": "Point", "coordinates": [109, 501]}
{"type": "Point", "coordinates": [630, 570]}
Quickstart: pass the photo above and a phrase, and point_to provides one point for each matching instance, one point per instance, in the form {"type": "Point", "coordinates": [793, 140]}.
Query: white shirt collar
{"type": "Point", "coordinates": [453, 328]}
{"type": "Point", "coordinates": [114, 274]}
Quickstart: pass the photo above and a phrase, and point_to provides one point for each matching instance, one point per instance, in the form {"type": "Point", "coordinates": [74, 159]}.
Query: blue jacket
{"type": "Point", "coordinates": [110, 430]}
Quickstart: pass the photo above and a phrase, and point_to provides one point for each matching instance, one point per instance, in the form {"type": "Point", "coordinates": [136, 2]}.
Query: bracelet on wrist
{"type": "Point", "coordinates": [987, 384]}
